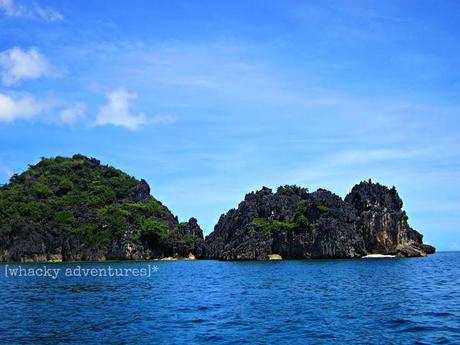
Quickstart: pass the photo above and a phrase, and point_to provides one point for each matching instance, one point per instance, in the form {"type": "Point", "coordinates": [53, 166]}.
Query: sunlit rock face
{"type": "Point", "coordinates": [383, 223]}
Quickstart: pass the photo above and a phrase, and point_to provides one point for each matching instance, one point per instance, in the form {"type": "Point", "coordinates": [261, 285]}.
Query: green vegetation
{"type": "Point", "coordinates": [79, 194]}
{"type": "Point", "coordinates": [269, 226]}
{"type": "Point", "coordinates": [92, 235]}
{"type": "Point", "coordinates": [300, 221]}
{"type": "Point", "coordinates": [182, 239]}
{"type": "Point", "coordinates": [292, 189]}
{"type": "Point", "coordinates": [322, 208]}
{"type": "Point", "coordinates": [153, 229]}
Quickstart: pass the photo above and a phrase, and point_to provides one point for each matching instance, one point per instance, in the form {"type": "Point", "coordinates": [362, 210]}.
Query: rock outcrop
{"type": "Point", "coordinates": [293, 223]}
{"type": "Point", "coordinates": [72, 209]}
{"type": "Point", "coordinates": [67, 209]}
{"type": "Point", "coordinates": [383, 223]}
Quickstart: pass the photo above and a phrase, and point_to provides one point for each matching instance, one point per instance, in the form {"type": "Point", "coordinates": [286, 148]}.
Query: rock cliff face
{"type": "Point", "coordinates": [296, 224]}
{"type": "Point", "coordinates": [66, 209]}
{"type": "Point", "coordinates": [383, 223]}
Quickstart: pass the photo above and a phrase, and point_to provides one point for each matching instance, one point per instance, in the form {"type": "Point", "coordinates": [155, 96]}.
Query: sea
{"type": "Point", "coordinates": [356, 301]}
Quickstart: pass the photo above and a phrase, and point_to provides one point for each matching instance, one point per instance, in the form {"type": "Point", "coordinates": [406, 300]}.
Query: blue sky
{"type": "Point", "coordinates": [208, 100]}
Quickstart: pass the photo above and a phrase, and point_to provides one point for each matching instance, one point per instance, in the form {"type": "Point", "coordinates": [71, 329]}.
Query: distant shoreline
{"type": "Point", "coordinates": [371, 256]}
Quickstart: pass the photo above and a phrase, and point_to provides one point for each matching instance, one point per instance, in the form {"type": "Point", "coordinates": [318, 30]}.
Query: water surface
{"type": "Point", "coordinates": [362, 301]}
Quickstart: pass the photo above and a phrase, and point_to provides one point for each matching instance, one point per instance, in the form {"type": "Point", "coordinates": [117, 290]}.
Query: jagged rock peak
{"type": "Point", "coordinates": [294, 223]}
{"type": "Point", "coordinates": [257, 194]}
{"type": "Point", "coordinates": [367, 196]}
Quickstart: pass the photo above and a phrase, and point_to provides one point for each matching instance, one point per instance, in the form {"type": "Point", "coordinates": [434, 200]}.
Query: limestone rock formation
{"type": "Point", "coordinates": [296, 224]}
{"type": "Point", "coordinates": [65, 209]}
{"type": "Point", "coordinates": [383, 223]}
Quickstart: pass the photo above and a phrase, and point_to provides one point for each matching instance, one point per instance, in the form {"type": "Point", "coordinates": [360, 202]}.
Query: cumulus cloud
{"type": "Point", "coordinates": [24, 106]}
{"type": "Point", "coordinates": [117, 112]}
{"type": "Point", "coordinates": [14, 107]}
{"type": "Point", "coordinates": [17, 64]}
{"type": "Point", "coordinates": [11, 8]}
{"type": "Point", "coordinates": [72, 114]}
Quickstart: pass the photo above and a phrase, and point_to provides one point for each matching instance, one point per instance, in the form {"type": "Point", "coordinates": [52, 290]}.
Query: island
{"type": "Point", "coordinates": [77, 209]}
{"type": "Point", "coordinates": [295, 224]}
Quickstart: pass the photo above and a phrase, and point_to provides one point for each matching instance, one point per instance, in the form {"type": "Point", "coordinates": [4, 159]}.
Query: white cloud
{"type": "Point", "coordinates": [6, 170]}
{"type": "Point", "coordinates": [356, 161]}
{"type": "Point", "coordinates": [117, 112]}
{"type": "Point", "coordinates": [11, 8]}
{"type": "Point", "coordinates": [14, 107]}
{"type": "Point", "coordinates": [343, 169]}
{"type": "Point", "coordinates": [48, 14]}
{"type": "Point", "coordinates": [17, 106]}
{"type": "Point", "coordinates": [17, 64]}
{"type": "Point", "coordinates": [72, 114]}
{"type": "Point", "coordinates": [366, 156]}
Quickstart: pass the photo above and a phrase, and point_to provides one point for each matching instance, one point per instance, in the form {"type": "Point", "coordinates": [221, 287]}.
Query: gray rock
{"type": "Point", "coordinates": [383, 222]}
{"type": "Point", "coordinates": [296, 224]}
{"type": "Point", "coordinates": [23, 238]}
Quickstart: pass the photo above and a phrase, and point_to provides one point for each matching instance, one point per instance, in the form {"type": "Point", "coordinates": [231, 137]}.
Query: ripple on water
{"type": "Point", "coordinates": [211, 302]}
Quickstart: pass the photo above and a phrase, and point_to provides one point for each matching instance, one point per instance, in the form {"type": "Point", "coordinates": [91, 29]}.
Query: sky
{"type": "Point", "coordinates": [209, 100]}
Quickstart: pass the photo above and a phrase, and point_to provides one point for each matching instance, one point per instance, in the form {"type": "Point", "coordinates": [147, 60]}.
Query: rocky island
{"type": "Point", "coordinates": [72, 209]}
{"type": "Point", "coordinates": [295, 224]}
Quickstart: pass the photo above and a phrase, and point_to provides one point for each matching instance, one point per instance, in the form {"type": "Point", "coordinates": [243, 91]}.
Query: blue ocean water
{"type": "Point", "coordinates": [361, 301]}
